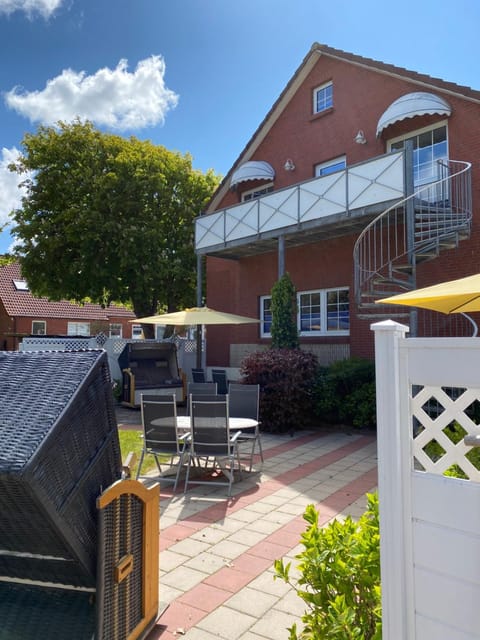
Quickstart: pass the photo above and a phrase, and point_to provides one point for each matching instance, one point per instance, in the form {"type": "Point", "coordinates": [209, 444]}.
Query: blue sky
{"type": "Point", "coordinates": [199, 75]}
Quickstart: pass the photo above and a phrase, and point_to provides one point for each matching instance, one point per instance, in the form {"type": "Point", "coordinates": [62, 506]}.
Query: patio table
{"type": "Point", "coordinates": [235, 424]}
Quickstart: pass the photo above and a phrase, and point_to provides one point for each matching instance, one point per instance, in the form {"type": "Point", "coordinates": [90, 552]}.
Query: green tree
{"type": "Point", "coordinates": [284, 315]}
{"type": "Point", "coordinates": [107, 218]}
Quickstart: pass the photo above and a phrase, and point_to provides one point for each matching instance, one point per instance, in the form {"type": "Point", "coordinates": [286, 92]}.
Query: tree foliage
{"type": "Point", "coordinates": [284, 315]}
{"type": "Point", "coordinates": [107, 218]}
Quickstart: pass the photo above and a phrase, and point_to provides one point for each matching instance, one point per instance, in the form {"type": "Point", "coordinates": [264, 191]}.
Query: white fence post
{"type": "Point", "coordinates": [393, 482]}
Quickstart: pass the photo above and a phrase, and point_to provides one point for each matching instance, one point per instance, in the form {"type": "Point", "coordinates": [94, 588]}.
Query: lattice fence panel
{"type": "Point", "coordinates": [441, 417]}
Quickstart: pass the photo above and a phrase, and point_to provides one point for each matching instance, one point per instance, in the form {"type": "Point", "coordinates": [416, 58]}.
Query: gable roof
{"type": "Point", "coordinates": [18, 302]}
{"type": "Point", "coordinates": [316, 51]}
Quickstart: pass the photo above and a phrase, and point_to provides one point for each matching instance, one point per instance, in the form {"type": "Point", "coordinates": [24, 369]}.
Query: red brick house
{"type": "Point", "coordinates": [21, 314]}
{"type": "Point", "coordinates": [361, 182]}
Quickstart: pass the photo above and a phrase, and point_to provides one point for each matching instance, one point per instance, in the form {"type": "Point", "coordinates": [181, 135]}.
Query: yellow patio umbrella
{"type": "Point", "coordinates": [196, 315]}
{"type": "Point", "coordinates": [454, 296]}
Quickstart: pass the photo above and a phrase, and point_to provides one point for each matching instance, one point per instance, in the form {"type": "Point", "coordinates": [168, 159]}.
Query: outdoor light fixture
{"type": "Point", "coordinates": [360, 137]}
{"type": "Point", "coordinates": [289, 165]}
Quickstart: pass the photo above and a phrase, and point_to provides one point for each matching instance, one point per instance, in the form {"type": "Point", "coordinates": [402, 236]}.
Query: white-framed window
{"type": "Point", "coordinates": [430, 148]}
{"type": "Point", "coordinates": [265, 316]}
{"type": "Point", "coordinates": [324, 312]}
{"type": "Point", "coordinates": [324, 168]}
{"type": "Point", "coordinates": [137, 333]}
{"type": "Point", "coordinates": [115, 330]}
{"type": "Point", "coordinates": [39, 327]}
{"type": "Point", "coordinates": [78, 329]}
{"type": "Point", "coordinates": [320, 312]}
{"type": "Point", "coordinates": [257, 192]}
{"type": "Point", "coordinates": [323, 97]}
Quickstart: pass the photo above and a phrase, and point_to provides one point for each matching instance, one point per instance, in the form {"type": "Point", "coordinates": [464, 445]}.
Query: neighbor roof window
{"type": "Point", "coordinates": [20, 285]}
{"type": "Point", "coordinates": [323, 97]}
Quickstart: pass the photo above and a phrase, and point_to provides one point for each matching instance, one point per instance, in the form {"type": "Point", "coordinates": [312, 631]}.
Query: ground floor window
{"type": "Point", "coordinates": [320, 312]}
{"type": "Point", "coordinates": [115, 330]}
{"type": "Point", "coordinates": [39, 327]}
{"type": "Point", "coordinates": [78, 329]}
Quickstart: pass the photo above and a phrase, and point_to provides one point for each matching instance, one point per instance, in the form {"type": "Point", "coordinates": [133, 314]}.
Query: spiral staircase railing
{"type": "Point", "coordinates": [435, 217]}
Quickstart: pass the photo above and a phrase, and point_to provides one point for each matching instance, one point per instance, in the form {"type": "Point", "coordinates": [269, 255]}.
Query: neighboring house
{"type": "Point", "coordinates": [21, 314]}
{"type": "Point", "coordinates": [348, 139]}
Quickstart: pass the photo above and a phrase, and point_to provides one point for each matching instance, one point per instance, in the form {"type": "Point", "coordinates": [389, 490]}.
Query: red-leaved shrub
{"type": "Point", "coordinates": [286, 378]}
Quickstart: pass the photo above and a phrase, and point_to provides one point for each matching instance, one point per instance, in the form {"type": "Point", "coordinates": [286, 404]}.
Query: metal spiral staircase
{"type": "Point", "coordinates": [433, 218]}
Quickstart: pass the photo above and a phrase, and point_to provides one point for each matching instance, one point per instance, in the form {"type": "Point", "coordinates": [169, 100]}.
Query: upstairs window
{"type": "Point", "coordinates": [430, 149]}
{"type": "Point", "coordinates": [256, 193]}
{"type": "Point", "coordinates": [331, 166]}
{"type": "Point", "coordinates": [323, 97]}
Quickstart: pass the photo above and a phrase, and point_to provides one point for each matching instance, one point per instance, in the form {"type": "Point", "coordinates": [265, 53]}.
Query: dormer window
{"type": "Point", "coordinates": [323, 97]}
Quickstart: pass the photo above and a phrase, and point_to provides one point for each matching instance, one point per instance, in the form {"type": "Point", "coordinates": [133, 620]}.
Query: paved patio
{"type": "Point", "coordinates": [216, 553]}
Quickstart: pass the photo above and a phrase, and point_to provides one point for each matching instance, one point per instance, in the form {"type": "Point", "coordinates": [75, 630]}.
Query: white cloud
{"type": "Point", "coordinates": [10, 190]}
{"type": "Point", "coordinates": [113, 98]}
{"type": "Point", "coordinates": [45, 8]}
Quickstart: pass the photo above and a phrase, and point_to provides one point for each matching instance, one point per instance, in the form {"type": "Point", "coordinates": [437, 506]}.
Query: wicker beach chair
{"type": "Point", "coordinates": [72, 532]}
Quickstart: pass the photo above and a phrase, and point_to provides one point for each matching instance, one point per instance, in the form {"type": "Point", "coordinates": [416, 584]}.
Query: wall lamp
{"type": "Point", "coordinates": [360, 137]}
{"type": "Point", "coordinates": [289, 165]}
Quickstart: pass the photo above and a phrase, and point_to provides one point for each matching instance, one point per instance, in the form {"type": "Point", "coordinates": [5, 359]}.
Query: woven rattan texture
{"type": "Point", "coordinates": [34, 613]}
{"type": "Point", "coordinates": [123, 603]}
{"type": "Point", "coordinates": [60, 448]}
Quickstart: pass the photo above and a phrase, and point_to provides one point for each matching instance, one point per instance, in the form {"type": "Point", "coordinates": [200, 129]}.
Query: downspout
{"type": "Point", "coordinates": [410, 218]}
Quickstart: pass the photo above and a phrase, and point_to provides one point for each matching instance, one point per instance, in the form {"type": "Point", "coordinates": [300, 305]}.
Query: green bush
{"type": "Point", "coordinates": [286, 378]}
{"type": "Point", "coordinates": [344, 393]}
{"type": "Point", "coordinates": [339, 578]}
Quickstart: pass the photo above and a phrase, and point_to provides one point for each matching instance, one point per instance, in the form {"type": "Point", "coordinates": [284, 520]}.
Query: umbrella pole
{"type": "Point", "coordinates": [199, 346]}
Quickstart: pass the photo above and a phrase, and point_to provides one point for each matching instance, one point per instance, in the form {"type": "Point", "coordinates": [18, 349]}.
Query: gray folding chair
{"type": "Point", "coordinates": [210, 438]}
{"type": "Point", "coordinates": [161, 437]}
{"type": "Point", "coordinates": [198, 375]}
{"type": "Point", "coordinates": [220, 377]}
{"type": "Point", "coordinates": [243, 402]}
{"type": "Point", "coordinates": [201, 387]}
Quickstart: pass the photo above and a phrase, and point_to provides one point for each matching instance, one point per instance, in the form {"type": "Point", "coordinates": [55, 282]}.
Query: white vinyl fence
{"type": "Point", "coordinates": [427, 389]}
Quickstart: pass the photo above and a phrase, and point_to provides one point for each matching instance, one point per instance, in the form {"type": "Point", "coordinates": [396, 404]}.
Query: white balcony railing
{"type": "Point", "coordinates": [356, 187]}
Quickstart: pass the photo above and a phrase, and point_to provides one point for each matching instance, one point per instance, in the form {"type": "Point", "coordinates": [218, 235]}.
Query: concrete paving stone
{"type": "Point", "coordinates": [207, 562]}
{"type": "Point", "coordinates": [281, 517]}
{"type": "Point", "coordinates": [245, 537]}
{"type": "Point", "coordinates": [183, 578]}
{"type": "Point", "coordinates": [252, 602]}
{"type": "Point", "coordinates": [171, 560]}
{"type": "Point", "coordinates": [167, 594]}
{"type": "Point", "coordinates": [227, 623]}
{"type": "Point", "coordinates": [263, 526]}
{"type": "Point", "coordinates": [229, 525]}
{"type": "Point", "coordinates": [190, 547]}
{"type": "Point", "coordinates": [245, 516]}
{"type": "Point", "coordinates": [265, 583]}
{"type": "Point", "coordinates": [228, 549]}
{"type": "Point", "coordinates": [210, 535]}
{"type": "Point", "coordinates": [274, 624]}
{"type": "Point", "coordinates": [291, 603]}
{"type": "Point", "coordinates": [198, 634]}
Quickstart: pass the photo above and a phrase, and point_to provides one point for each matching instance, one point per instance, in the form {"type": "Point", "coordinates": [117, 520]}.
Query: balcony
{"type": "Point", "coordinates": [341, 203]}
